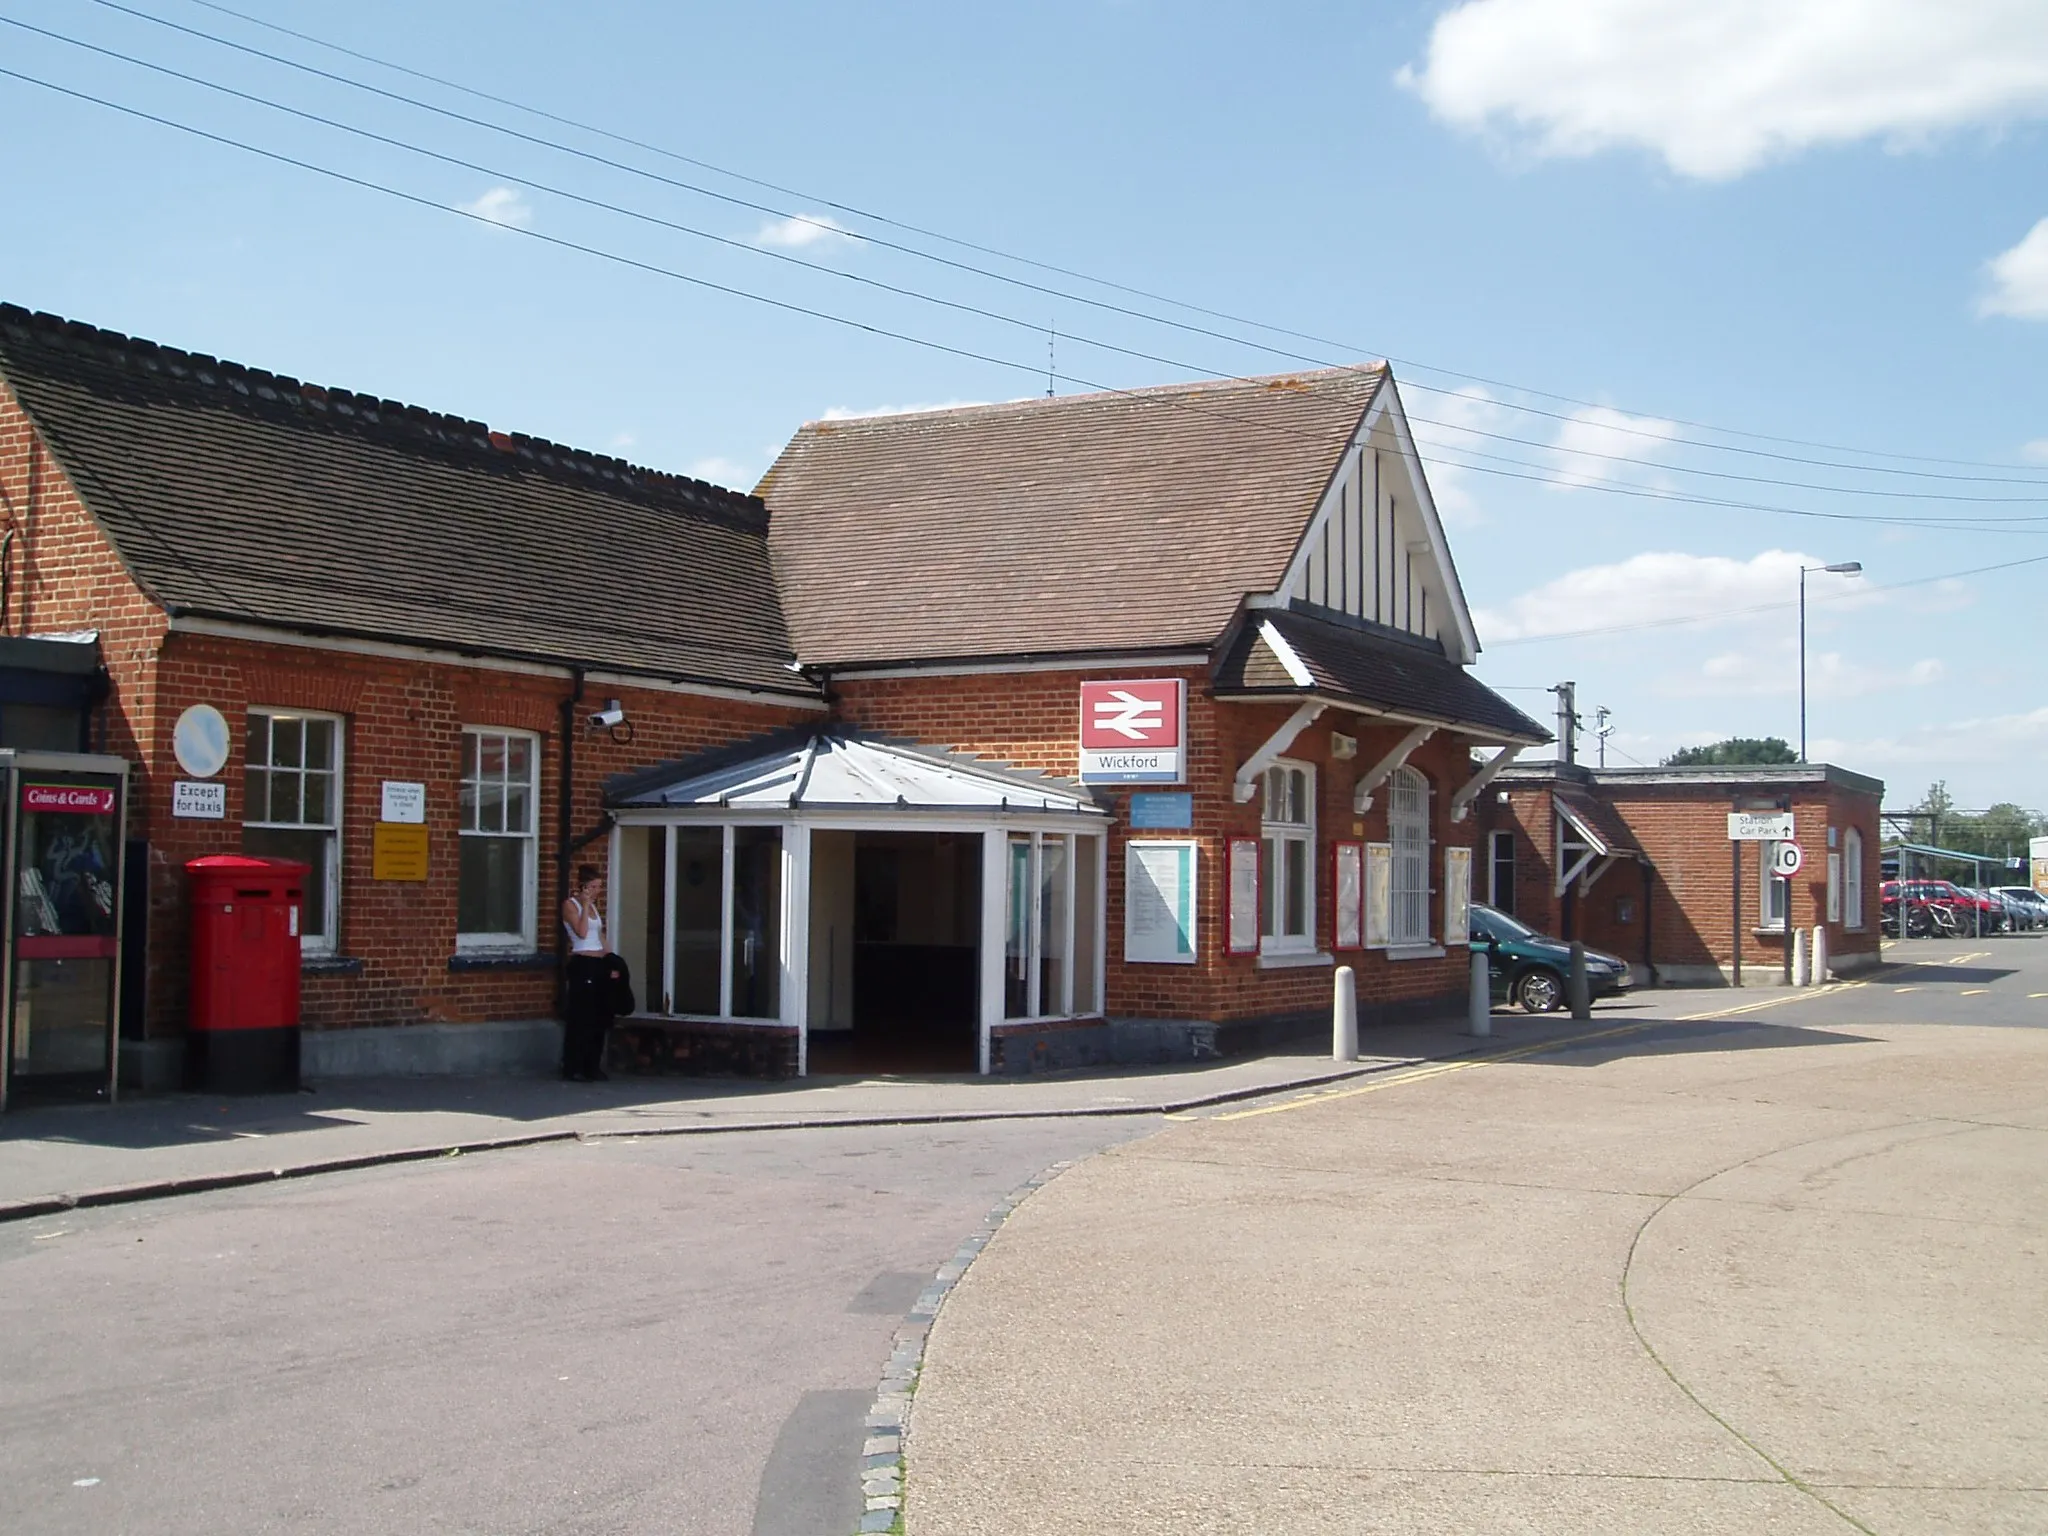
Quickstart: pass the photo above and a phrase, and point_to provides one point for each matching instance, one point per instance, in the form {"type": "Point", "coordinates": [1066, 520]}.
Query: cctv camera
{"type": "Point", "coordinates": [612, 714]}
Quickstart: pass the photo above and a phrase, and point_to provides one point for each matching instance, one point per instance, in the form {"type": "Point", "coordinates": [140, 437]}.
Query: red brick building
{"type": "Point", "coordinates": [1638, 862]}
{"type": "Point", "coordinates": [829, 746]}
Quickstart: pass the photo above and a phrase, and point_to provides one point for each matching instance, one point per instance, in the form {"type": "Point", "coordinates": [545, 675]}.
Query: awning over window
{"type": "Point", "coordinates": [847, 771]}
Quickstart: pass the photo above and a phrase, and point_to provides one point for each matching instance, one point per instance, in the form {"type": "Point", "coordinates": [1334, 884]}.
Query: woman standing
{"type": "Point", "coordinates": [588, 1007]}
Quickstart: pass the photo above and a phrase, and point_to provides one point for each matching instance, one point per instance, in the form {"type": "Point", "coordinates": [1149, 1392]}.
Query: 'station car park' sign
{"type": "Point", "coordinates": [1759, 826]}
{"type": "Point", "coordinates": [1134, 732]}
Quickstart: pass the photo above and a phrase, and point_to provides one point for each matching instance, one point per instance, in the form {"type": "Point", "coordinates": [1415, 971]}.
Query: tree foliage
{"type": "Point", "coordinates": [1736, 751]}
{"type": "Point", "coordinates": [2004, 829]}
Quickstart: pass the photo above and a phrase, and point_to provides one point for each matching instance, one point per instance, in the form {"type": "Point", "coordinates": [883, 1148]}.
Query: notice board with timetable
{"type": "Point", "coordinates": [1159, 901]}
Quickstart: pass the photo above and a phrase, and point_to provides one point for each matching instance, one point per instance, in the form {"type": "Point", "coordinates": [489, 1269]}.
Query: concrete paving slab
{"type": "Point", "coordinates": [1405, 1304]}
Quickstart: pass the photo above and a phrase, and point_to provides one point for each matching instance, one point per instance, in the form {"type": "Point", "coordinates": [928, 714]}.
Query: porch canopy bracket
{"type": "Point", "coordinates": [1588, 845]}
{"type": "Point", "coordinates": [1385, 768]}
{"type": "Point", "coordinates": [1461, 802]}
{"type": "Point", "coordinates": [1247, 781]}
{"type": "Point", "coordinates": [1586, 884]}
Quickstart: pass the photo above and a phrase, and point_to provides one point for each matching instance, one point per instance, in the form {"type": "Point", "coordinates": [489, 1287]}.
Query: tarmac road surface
{"type": "Point", "coordinates": [1784, 1271]}
{"type": "Point", "coordinates": [678, 1336]}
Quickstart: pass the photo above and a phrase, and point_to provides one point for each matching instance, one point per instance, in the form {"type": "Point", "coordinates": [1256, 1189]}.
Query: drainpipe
{"type": "Point", "coordinates": [1649, 919]}
{"type": "Point", "coordinates": [565, 819]}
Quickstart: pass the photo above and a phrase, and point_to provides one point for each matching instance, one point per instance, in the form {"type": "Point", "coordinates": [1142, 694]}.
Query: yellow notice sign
{"type": "Point", "coordinates": [398, 851]}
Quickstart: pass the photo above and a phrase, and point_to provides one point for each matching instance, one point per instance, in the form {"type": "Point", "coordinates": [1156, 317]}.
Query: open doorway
{"type": "Point", "coordinates": [895, 951]}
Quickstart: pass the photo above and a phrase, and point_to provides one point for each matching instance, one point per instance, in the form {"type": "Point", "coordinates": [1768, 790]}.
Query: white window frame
{"type": "Point", "coordinates": [1768, 895]}
{"type": "Point", "coordinates": [526, 938]}
{"type": "Point", "coordinates": [1402, 934]}
{"type": "Point", "coordinates": [1852, 880]}
{"type": "Point", "coordinates": [329, 942]}
{"type": "Point", "coordinates": [1493, 843]}
{"type": "Point", "coordinates": [1274, 834]}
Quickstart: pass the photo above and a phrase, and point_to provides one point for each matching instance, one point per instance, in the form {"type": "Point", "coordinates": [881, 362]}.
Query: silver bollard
{"type": "Point", "coordinates": [1479, 1009]}
{"type": "Point", "coordinates": [1575, 987]}
{"type": "Point", "coordinates": [1819, 963]}
{"type": "Point", "coordinates": [1344, 1017]}
{"type": "Point", "coordinates": [1802, 976]}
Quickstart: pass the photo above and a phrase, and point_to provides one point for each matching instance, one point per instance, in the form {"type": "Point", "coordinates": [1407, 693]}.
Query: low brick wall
{"type": "Point", "coordinates": [678, 1047]}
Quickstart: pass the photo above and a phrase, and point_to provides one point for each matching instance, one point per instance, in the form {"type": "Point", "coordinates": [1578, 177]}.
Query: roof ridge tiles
{"type": "Point", "coordinates": [114, 348]}
{"type": "Point", "coordinates": [1375, 369]}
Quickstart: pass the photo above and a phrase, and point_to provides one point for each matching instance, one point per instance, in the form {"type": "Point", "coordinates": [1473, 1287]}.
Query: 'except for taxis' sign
{"type": "Point", "coordinates": [1760, 826]}
{"type": "Point", "coordinates": [1134, 732]}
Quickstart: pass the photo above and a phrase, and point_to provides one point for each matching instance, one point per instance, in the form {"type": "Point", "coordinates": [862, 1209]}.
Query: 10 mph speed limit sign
{"type": "Point", "coordinates": [1786, 859]}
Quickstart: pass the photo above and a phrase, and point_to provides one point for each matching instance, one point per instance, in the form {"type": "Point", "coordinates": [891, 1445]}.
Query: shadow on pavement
{"type": "Point", "coordinates": [1700, 1038]}
{"type": "Point", "coordinates": [1919, 975]}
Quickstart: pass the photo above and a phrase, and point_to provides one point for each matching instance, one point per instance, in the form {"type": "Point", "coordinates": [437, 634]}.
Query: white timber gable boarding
{"type": "Point", "coordinates": [1375, 548]}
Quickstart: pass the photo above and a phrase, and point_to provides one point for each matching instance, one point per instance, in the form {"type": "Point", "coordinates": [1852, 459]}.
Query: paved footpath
{"type": "Point", "coordinates": [55, 1157]}
{"type": "Point", "coordinates": [1778, 1271]}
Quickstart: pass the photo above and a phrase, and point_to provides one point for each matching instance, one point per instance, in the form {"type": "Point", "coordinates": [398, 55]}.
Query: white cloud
{"type": "Point", "coordinates": [801, 231]}
{"type": "Point", "coordinates": [2019, 282]}
{"type": "Point", "coordinates": [2037, 450]}
{"type": "Point", "coordinates": [623, 440]}
{"type": "Point", "coordinates": [1455, 422]}
{"type": "Point", "coordinates": [854, 413]}
{"type": "Point", "coordinates": [2009, 743]}
{"type": "Point", "coordinates": [1654, 586]}
{"type": "Point", "coordinates": [1601, 430]}
{"type": "Point", "coordinates": [1775, 673]}
{"type": "Point", "coordinates": [1717, 88]}
{"type": "Point", "coordinates": [501, 205]}
{"type": "Point", "coordinates": [730, 473]}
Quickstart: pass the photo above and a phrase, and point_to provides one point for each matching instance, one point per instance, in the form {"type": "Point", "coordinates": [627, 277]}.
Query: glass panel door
{"type": "Point", "coordinates": [67, 878]}
{"type": "Point", "coordinates": [1017, 930]}
{"type": "Point", "coordinates": [700, 919]}
{"type": "Point", "coordinates": [757, 922]}
{"type": "Point", "coordinates": [1053, 908]}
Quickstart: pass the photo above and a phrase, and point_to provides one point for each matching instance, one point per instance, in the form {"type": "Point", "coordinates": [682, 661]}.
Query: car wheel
{"type": "Point", "coordinates": [1540, 991]}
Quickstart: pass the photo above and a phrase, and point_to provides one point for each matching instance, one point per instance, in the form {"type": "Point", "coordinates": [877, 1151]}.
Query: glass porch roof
{"type": "Point", "coordinates": [850, 771]}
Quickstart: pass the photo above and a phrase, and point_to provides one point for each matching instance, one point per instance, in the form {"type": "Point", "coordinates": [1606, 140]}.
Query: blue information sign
{"type": "Point", "coordinates": [1163, 813]}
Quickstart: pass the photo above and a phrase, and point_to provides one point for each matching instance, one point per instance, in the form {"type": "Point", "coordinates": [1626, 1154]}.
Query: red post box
{"type": "Point", "coordinates": [245, 973]}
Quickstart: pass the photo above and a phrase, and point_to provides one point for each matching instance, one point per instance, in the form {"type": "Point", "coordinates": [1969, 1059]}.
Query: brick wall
{"type": "Point", "coordinates": [1683, 908]}
{"type": "Point", "coordinates": [403, 720]}
{"type": "Point", "coordinates": [1032, 719]}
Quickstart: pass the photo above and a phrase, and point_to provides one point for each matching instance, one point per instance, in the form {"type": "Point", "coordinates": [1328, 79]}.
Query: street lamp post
{"type": "Point", "coordinates": [1840, 568]}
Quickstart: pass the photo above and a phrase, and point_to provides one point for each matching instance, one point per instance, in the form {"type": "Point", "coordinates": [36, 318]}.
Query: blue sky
{"type": "Point", "coordinates": [1687, 220]}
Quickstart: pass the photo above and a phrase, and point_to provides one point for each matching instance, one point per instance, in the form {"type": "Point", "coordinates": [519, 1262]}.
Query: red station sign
{"type": "Point", "coordinates": [1134, 732]}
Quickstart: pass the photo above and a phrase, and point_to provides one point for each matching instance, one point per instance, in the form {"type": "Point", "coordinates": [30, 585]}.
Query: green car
{"type": "Point", "coordinates": [1529, 969]}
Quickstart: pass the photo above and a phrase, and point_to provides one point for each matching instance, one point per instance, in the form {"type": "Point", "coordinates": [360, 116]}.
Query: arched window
{"type": "Point", "coordinates": [1408, 831]}
{"type": "Point", "coordinates": [1852, 879]}
{"type": "Point", "coordinates": [1287, 829]}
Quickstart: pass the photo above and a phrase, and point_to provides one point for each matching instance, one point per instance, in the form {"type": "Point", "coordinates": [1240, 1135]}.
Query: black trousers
{"type": "Point", "coordinates": [587, 1016]}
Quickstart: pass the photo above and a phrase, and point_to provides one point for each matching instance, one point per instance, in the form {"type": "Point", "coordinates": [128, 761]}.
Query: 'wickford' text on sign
{"type": "Point", "coordinates": [1760, 826]}
{"type": "Point", "coordinates": [1134, 732]}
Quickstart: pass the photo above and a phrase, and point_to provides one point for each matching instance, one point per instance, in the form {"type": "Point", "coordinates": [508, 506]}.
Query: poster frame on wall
{"type": "Point", "coordinates": [1242, 894]}
{"type": "Point", "coordinates": [1142, 942]}
{"type": "Point", "coordinates": [1347, 894]}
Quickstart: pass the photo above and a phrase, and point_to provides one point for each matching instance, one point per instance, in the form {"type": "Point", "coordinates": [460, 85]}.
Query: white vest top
{"type": "Point", "coordinates": [592, 941]}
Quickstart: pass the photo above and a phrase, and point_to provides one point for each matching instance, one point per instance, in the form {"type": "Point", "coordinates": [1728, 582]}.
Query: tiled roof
{"type": "Point", "coordinates": [1087, 523]}
{"type": "Point", "coordinates": [1596, 818]}
{"type": "Point", "coordinates": [236, 494]}
{"type": "Point", "coordinates": [1367, 665]}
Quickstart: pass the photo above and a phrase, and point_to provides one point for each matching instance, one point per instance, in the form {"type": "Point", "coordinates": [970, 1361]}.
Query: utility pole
{"type": "Point", "coordinates": [1602, 730]}
{"type": "Point", "coordinates": [1567, 722]}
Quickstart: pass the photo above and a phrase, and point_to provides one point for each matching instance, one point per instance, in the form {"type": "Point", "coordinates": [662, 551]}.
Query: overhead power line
{"type": "Point", "coordinates": [1968, 525]}
{"type": "Point", "coordinates": [1621, 428]}
{"type": "Point", "coordinates": [1530, 471]}
{"type": "Point", "coordinates": [1715, 615]}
